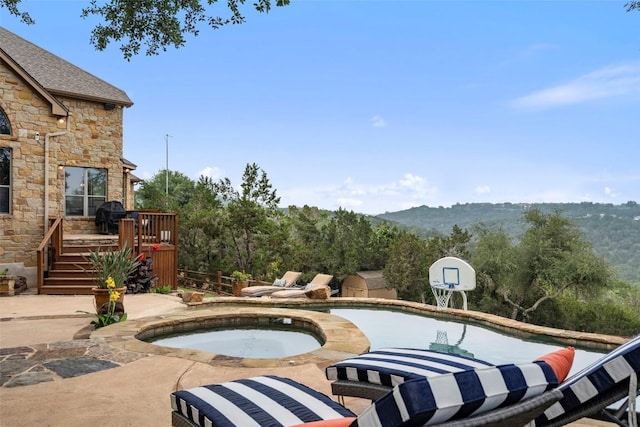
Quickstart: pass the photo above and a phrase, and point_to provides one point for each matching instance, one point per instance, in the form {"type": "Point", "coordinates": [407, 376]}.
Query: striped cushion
{"type": "Point", "coordinates": [594, 380]}
{"type": "Point", "coordinates": [265, 401]}
{"type": "Point", "coordinates": [392, 366]}
{"type": "Point", "coordinates": [458, 395]}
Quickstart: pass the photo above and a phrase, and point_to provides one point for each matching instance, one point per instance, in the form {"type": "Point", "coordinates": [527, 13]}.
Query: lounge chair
{"type": "Point", "coordinates": [288, 280]}
{"type": "Point", "coordinates": [589, 392]}
{"type": "Point", "coordinates": [505, 395]}
{"type": "Point", "coordinates": [319, 282]}
{"type": "Point", "coordinates": [371, 375]}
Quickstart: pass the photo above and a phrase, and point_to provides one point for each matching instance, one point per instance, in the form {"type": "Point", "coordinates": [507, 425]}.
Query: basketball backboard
{"type": "Point", "coordinates": [452, 273]}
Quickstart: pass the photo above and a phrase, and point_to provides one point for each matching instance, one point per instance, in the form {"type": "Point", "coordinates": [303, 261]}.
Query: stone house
{"type": "Point", "coordinates": [60, 149]}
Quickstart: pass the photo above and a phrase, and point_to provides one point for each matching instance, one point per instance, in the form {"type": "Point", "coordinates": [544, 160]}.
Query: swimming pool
{"type": "Point", "coordinates": [389, 328]}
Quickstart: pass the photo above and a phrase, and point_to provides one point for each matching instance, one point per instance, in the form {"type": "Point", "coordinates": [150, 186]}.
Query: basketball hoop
{"type": "Point", "coordinates": [442, 297]}
{"type": "Point", "coordinates": [450, 274]}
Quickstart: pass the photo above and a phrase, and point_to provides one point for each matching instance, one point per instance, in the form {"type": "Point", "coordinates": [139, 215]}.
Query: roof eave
{"type": "Point", "coordinates": [92, 98]}
{"type": "Point", "coordinates": [57, 108]}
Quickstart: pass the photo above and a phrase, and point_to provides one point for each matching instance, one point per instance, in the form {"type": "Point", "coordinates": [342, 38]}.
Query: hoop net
{"type": "Point", "coordinates": [441, 338]}
{"type": "Point", "coordinates": [442, 297]}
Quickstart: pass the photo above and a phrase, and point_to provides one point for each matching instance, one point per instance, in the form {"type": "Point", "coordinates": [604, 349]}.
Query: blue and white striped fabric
{"type": "Point", "coordinates": [393, 366]}
{"type": "Point", "coordinates": [619, 365]}
{"type": "Point", "coordinates": [265, 401]}
{"type": "Point", "coordinates": [457, 395]}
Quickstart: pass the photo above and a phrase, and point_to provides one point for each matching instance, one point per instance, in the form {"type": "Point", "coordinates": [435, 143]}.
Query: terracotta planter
{"type": "Point", "coordinates": [238, 286]}
{"type": "Point", "coordinates": [102, 295]}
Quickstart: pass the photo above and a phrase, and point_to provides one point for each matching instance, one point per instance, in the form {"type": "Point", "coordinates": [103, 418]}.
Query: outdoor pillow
{"type": "Point", "coordinates": [457, 395]}
{"type": "Point", "coordinates": [560, 361]}
{"type": "Point", "coordinates": [279, 282]}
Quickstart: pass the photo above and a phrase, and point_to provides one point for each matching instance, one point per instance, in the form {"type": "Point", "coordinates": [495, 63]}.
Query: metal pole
{"type": "Point", "coordinates": [166, 170]}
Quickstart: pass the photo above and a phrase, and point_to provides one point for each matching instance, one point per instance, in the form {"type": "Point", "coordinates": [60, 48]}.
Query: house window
{"type": "Point", "coordinates": [5, 129]}
{"type": "Point", "coordinates": [85, 190]}
{"type": "Point", "coordinates": [5, 180]}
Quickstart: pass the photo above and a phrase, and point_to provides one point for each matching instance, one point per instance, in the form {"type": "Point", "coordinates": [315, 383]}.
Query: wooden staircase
{"type": "Point", "coordinates": [61, 258]}
{"type": "Point", "coordinates": [70, 273]}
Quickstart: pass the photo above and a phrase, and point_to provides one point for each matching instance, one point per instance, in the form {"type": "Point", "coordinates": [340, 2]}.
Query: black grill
{"type": "Point", "coordinates": [108, 215]}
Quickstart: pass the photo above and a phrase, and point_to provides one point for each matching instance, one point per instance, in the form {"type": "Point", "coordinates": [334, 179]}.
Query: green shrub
{"type": "Point", "coordinates": [162, 289]}
{"type": "Point", "coordinates": [602, 317]}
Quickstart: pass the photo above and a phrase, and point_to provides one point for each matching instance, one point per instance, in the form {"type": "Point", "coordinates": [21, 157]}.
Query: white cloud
{"type": "Point", "coordinates": [408, 191]}
{"type": "Point", "coordinates": [214, 173]}
{"type": "Point", "coordinates": [606, 82]}
{"type": "Point", "coordinates": [378, 122]}
{"type": "Point", "coordinates": [348, 203]}
{"type": "Point", "coordinates": [610, 192]}
{"type": "Point", "coordinates": [483, 189]}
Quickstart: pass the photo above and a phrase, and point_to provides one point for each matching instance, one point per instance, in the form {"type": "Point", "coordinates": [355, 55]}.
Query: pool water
{"type": "Point", "coordinates": [246, 342]}
{"type": "Point", "coordinates": [386, 328]}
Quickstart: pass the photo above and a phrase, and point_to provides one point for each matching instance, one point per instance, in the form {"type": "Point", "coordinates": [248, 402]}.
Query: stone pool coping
{"type": "Point", "coordinates": [342, 339]}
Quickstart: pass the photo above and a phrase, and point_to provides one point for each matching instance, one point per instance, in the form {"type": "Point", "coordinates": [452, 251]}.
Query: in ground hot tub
{"type": "Point", "coordinates": [337, 337]}
{"type": "Point", "coordinates": [280, 338]}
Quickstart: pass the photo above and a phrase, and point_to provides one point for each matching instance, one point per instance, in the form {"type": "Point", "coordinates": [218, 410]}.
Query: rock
{"type": "Point", "coordinates": [197, 297]}
{"type": "Point", "coordinates": [318, 292]}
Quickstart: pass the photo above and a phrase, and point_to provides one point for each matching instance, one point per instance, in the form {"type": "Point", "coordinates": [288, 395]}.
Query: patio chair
{"type": "Point", "coordinates": [588, 393]}
{"type": "Point", "coordinates": [319, 282]}
{"type": "Point", "coordinates": [288, 280]}
{"type": "Point", "coordinates": [504, 395]}
{"type": "Point", "coordinates": [591, 391]}
{"type": "Point", "coordinates": [371, 375]}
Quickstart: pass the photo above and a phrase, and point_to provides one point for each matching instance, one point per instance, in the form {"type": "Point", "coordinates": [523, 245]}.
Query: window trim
{"type": "Point", "coordinates": [5, 118]}
{"type": "Point", "coordinates": [86, 197]}
{"type": "Point", "coordinates": [8, 186]}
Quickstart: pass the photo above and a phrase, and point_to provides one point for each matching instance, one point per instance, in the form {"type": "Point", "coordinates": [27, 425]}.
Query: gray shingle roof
{"type": "Point", "coordinates": [374, 279]}
{"type": "Point", "coordinates": [58, 76]}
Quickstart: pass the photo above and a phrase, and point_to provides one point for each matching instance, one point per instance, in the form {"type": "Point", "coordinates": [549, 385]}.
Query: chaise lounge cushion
{"type": "Point", "coordinates": [288, 280]}
{"type": "Point", "coordinates": [589, 390]}
{"type": "Point", "coordinates": [452, 396]}
{"type": "Point", "coordinates": [392, 366]}
{"type": "Point", "coordinates": [256, 402]}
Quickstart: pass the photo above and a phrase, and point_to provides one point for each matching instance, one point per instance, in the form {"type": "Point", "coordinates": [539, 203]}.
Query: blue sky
{"type": "Point", "coordinates": [378, 106]}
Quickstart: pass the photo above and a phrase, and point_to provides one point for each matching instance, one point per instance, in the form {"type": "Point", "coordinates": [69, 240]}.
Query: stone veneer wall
{"type": "Point", "coordinates": [94, 139]}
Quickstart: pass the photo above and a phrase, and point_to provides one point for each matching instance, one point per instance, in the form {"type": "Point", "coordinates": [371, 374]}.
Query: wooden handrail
{"type": "Point", "coordinates": [55, 234]}
{"type": "Point", "coordinates": [154, 231]}
{"type": "Point", "coordinates": [223, 285]}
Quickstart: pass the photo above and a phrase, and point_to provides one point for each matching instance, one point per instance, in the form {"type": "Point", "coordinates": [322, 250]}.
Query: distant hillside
{"type": "Point", "coordinates": [613, 230]}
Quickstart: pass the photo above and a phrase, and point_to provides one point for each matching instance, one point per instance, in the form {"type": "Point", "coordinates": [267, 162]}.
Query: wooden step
{"type": "Point", "coordinates": [66, 290]}
{"type": "Point", "coordinates": [70, 281]}
{"type": "Point", "coordinates": [86, 249]}
{"type": "Point", "coordinates": [77, 257]}
{"type": "Point", "coordinates": [63, 265]}
{"type": "Point", "coordinates": [72, 273]}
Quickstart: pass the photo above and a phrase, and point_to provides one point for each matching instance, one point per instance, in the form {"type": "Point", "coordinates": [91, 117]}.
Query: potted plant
{"type": "Point", "coordinates": [239, 280]}
{"type": "Point", "coordinates": [111, 269]}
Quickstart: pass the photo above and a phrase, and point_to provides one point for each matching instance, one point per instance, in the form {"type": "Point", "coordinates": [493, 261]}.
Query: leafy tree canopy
{"type": "Point", "coordinates": [154, 24]}
{"type": "Point", "coordinates": [550, 259]}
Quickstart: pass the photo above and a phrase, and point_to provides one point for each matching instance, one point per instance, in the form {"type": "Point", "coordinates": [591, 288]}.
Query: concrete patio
{"type": "Point", "coordinates": [101, 383]}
